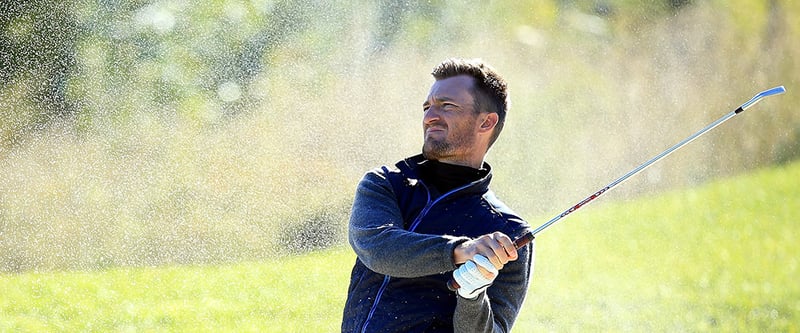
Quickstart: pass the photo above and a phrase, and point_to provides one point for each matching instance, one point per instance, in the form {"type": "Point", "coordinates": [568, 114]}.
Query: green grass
{"type": "Point", "coordinates": [721, 257]}
{"type": "Point", "coordinates": [300, 294]}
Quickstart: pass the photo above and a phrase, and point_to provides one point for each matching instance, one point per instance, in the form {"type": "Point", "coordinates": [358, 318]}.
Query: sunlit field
{"type": "Point", "coordinates": [720, 257]}
{"type": "Point", "coordinates": [171, 165]}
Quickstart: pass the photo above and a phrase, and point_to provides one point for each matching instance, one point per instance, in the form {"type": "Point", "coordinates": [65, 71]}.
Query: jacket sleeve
{"type": "Point", "coordinates": [377, 236]}
{"type": "Point", "coordinates": [497, 309]}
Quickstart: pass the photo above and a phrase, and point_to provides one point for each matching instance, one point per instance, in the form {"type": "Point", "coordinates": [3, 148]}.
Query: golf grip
{"type": "Point", "coordinates": [518, 243]}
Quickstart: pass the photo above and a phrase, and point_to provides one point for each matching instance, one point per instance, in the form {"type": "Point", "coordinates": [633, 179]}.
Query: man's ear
{"type": "Point", "coordinates": [489, 122]}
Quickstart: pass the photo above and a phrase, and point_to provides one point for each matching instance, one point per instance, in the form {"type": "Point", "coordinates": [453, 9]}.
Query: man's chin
{"type": "Point", "coordinates": [427, 153]}
{"type": "Point", "coordinates": [432, 153]}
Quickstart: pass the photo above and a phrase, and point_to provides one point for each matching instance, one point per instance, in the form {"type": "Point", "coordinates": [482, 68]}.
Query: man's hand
{"type": "Point", "coordinates": [471, 278]}
{"type": "Point", "coordinates": [482, 260]}
{"type": "Point", "coordinates": [497, 247]}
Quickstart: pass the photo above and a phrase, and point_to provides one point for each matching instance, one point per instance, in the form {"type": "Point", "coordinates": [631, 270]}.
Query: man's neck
{"type": "Point", "coordinates": [475, 163]}
{"type": "Point", "coordinates": [448, 176]}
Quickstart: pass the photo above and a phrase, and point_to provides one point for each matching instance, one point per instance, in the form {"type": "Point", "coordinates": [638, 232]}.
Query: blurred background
{"type": "Point", "coordinates": [175, 132]}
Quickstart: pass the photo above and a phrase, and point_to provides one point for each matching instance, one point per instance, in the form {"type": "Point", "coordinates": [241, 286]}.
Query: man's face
{"type": "Point", "coordinates": [450, 120]}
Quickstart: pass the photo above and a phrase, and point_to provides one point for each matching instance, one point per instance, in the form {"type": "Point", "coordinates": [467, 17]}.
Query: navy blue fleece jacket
{"type": "Point", "coordinates": [404, 233]}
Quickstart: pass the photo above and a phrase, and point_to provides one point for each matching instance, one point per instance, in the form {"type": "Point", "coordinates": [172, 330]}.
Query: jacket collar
{"type": "Point", "coordinates": [410, 166]}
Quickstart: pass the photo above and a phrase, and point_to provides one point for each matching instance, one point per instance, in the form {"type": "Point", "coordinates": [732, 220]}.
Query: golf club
{"type": "Point", "coordinates": [528, 237]}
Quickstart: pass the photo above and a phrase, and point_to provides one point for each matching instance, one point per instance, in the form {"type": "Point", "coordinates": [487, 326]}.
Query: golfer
{"type": "Point", "coordinates": [432, 217]}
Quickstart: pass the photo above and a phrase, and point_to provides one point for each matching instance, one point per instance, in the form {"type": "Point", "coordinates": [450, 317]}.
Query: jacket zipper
{"type": "Point", "coordinates": [417, 220]}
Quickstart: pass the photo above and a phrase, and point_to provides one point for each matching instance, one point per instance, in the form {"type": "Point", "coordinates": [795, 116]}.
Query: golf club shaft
{"type": "Point", "coordinates": [529, 236]}
{"type": "Point", "coordinates": [645, 165]}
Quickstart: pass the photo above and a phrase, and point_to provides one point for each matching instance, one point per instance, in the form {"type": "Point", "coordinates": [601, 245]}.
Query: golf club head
{"type": "Point", "coordinates": [769, 92]}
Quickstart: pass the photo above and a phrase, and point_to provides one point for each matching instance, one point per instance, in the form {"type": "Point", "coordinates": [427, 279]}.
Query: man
{"type": "Point", "coordinates": [413, 224]}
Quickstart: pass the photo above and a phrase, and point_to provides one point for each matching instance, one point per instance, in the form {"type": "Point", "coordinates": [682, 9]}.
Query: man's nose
{"type": "Point", "coordinates": [431, 115]}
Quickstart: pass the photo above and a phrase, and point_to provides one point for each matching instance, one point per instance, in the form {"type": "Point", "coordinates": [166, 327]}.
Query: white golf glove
{"type": "Point", "coordinates": [470, 278]}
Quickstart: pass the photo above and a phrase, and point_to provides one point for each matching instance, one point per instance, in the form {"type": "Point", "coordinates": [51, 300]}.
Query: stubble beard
{"type": "Point", "coordinates": [434, 149]}
{"type": "Point", "coordinates": [438, 149]}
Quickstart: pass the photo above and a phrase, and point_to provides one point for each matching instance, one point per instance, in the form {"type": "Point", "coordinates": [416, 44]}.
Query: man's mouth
{"type": "Point", "coordinates": [434, 129]}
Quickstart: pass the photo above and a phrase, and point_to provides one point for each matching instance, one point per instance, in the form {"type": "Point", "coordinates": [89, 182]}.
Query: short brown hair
{"type": "Point", "coordinates": [491, 95]}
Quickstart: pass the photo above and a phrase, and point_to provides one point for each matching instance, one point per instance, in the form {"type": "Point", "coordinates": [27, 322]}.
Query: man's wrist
{"type": "Point", "coordinates": [472, 297]}
{"type": "Point", "coordinates": [461, 253]}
